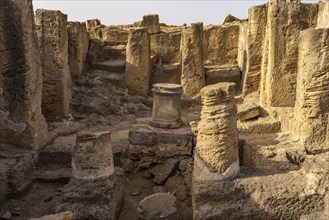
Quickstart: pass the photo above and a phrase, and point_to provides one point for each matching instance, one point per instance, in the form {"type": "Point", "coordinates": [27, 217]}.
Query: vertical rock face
{"type": "Point", "coordinates": [221, 44]}
{"type": "Point", "coordinates": [78, 47]}
{"type": "Point", "coordinates": [311, 109]}
{"type": "Point", "coordinates": [285, 20]}
{"type": "Point", "coordinates": [193, 73]}
{"type": "Point", "coordinates": [53, 42]}
{"type": "Point", "coordinates": [21, 120]}
{"type": "Point", "coordinates": [93, 157]}
{"type": "Point", "coordinates": [323, 15]}
{"type": "Point", "coordinates": [217, 141]}
{"type": "Point", "coordinates": [255, 38]}
{"type": "Point", "coordinates": [138, 62]}
{"type": "Point", "coordinates": [151, 23]}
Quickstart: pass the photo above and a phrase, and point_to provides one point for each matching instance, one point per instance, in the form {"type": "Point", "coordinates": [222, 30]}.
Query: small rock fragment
{"type": "Point", "coordinates": [163, 171]}
{"type": "Point", "coordinates": [248, 113]}
{"type": "Point", "coordinates": [135, 193]}
{"type": "Point", "coordinates": [6, 216]}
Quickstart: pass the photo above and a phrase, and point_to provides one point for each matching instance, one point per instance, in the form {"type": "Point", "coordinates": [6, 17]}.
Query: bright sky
{"type": "Point", "coordinates": [170, 12]}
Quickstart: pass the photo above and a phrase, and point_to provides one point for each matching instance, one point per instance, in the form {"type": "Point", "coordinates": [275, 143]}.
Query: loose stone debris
{"type": "Point", "coordinates": [156, 121]}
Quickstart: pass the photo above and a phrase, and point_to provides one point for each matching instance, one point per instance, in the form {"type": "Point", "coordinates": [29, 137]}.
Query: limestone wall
{"type": "Point", "coordinates": [193, 74]}
{"type": "Point", "coordinates": [221, 44]}
{"type": "Point", "coordinates": [21, 120]}
{"type": "Point", "coordinates": [312, 97]}
{"type": "Point", "coordinates": [78, 46]}
{"type": "Point", "coordinates": [53, 42]}
{"type": "Point", "coordinates": [114, 35]}
{"type": "Point", "coordinates": [166, 46]}
{"type": "Point", "coordinates": [285, 20]}
{"type": "Point", "coordinates": [151, 23]}
{"type": "Point", "coordinates": [138, 63]}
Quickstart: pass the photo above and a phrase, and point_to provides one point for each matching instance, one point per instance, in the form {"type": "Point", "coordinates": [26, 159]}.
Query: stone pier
{"type": "Point", "coordinates": [138, 62]}
{"type": "Point", "coordinates": [312, 108]}
{"type": "Point", "coordinates": [255, 37]}
{"type": "Point", "coordinates": [151, 23]}
{"type": "Point", "coordinates": [21, 119]}
{"type": "Point", "coordinates": [193, 73]}
{"type": "Point", "coordinates": [96, 189]}
{"type": "Point", "coordinates": [78, 47]}
{"type": "Point", "coordinates": [216, 156]}
{"type": "Point", "coordinates": [323, 15]}
{"type": "Point", "coordinates": [166, 105]}
{"type": "Point", "coordinates": [53, 42]}
{"type": "Point", "coordinates": [285, 20]}
{"type": "Point", "coordinates": [93, 157]}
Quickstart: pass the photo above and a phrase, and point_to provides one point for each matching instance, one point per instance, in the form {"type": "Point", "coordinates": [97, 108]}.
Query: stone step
{"type": "Point", "coordinates": [52, 174]}
{"type": "Point", "coordinates": [117, 52]}
{"type": "Point", "coordinates": [113, 66]}
{"type": "Point", "coordinates": [260, 126]}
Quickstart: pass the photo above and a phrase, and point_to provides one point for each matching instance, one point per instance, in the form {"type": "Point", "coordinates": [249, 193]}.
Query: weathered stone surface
{"type": "Point", "coordinates": [217, 74]}
{"type": "Point", "coordinates": [100, 198]}
{"type": "Point", "coordinates": [93, 157]}
{"type": "Point", "coordinates": [59, 216]}
{"type": "Point", "coordinates": [151, 23]}
{"type": "Point", "coordinates": [163, 171]}
{"type": "Point", "coordinates": [217, 140]}
{"type": "Point", "coordinates": [168, 73]}
{"type": "Point", "coordinates": [138, 63]}
{"type": "Point", "coordinates": [53, 42]}
{"type": "Point", "coordinates": [220, 44]}
{"type": "Point", "coordinates": [230, 18]}
{"type": "Point", "coordinates": [193, 74]}
{"type": "Point", "coordinates": [17, 165]}
{"type": "Point", "coordinates": [257, 20]}
{"type": "Point", "coordinates": [257, 194]}
{"type": "Point", "coordinates": [249, 112]}
{"type": "Point", "coordinates": [166, 46]}
{"type": "Point", "coordinates": [158, 206]}
{"type": "Point", "coordinates": [78, 47]}
{"type": "Point", "coordinates": [323, 15]}
{"type": "Point", "coordinates": [285, 20]}
{"type": "Point", "coordinates": [21, 120]}
{"type": "Point", "coordinates": [311, 109]}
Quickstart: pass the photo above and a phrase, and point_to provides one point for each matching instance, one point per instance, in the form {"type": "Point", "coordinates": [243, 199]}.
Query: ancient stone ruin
{"type": "Point", "coordinates": [155, 121]}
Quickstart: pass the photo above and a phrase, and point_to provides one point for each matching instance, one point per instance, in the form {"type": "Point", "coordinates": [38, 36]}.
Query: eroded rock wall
{"type": "Point", "coordinates": [21, 119]}
{"type": "Point", "coordinates": [285, 20]}
{"type": "Point", "coordinates": [53, 42]}
{"type": "Point", "coordinates": [311, 109]}
{"type": "Point", "coordinates": [78, 47]}
{"type": "Point", "coordinates": [151, 23]}
{"type": "Point", "coordinates": [193, 73]}
{"type": "Point", "coordinates": [138, 63]}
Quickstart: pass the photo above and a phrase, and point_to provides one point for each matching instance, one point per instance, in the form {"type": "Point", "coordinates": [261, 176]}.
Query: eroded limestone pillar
{"type": "Point", "coordinates": [21, 119]}
{"type": "Point", "coordinates": [217, 140]}
{"type": "Point", "coordinates": [323, 15]}
{"type": "Point", "coordinates": [151, 23]}
{"type": "Point", "coordinates": [257, 18]}
{"type": "Point", "coordinates": [312, 103]}
{"type": "Point", "coordinates": [53, 42]}
{"type": "Point", "coordinates": [166, 105]}
{"type": "Point", "coordinates": [193, 73]}
{"type": "Point", "coordinates": [138, 62]}
{"type": "Point", "coordinates": [93, 157]}
{"type": "Point", "coordinates": [78, 47]}
{"type": "Point", "coordinates": [285, 20]}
